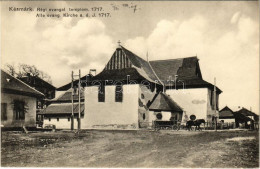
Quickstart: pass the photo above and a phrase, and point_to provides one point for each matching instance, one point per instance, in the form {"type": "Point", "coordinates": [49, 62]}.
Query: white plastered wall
{"type": "Point", "coordinates": [111, 114]}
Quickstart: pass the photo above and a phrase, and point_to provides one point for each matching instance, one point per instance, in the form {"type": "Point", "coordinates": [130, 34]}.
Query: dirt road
{"type": "Point", "coordinates": [131, 149]}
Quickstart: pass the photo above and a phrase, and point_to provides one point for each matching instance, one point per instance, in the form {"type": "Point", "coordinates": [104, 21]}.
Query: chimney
{"type": "Point", "coordinates": [92, 70]}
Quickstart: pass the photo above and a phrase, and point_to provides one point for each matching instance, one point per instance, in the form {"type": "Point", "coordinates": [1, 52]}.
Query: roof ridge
{"type": "Point", "coordinates": [44, 81]}
{"type": "Point", "coordinates": [227, 108]}
{"type": "Point", "coordinates": [141, 64]}
{"type": "Point", "coordinates": [133, 53]}
{"type": "Point", "coordinates": [155, 74]}
{"type": "Point", "coordinates": [172, 59]}
{"type": "Point", "coordinates": [170, 99]}
{"type": "Point", "coordinates": [23, 83]}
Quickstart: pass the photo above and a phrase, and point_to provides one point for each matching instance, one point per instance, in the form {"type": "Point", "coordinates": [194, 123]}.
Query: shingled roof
{"type": "Point", "coordinates": [66, 97]}
{"type": "Point", "coordinates": [226, 113]}
{"type": "Point", "coordinates": [10, 84]}
{"type": "Point", "coordinates": [84, 80]}
{"type": "Point", "coordinates": [246, 112]}
{"type": "Point", "coordinates": [62, 108]}
{"type": "Point", "coordinates": [163, 102]}
{"type": "Point", "coordinates": [187, 70]}
{"type": "Point", "coordinates": [123, 63]}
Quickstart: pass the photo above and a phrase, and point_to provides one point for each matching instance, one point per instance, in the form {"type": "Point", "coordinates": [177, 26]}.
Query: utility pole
{"type": "Point", "coordinates": [175, 81]}
{"type": "Point", "coordinates": [215, 103]}
{"type": "Point", "coordinates": [79, 85]}
{"type": "Point", "coordinates": [72, 100]}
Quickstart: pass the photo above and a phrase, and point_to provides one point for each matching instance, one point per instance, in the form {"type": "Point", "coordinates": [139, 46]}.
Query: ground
{"type": "Point", "coordinates": [142, 148]}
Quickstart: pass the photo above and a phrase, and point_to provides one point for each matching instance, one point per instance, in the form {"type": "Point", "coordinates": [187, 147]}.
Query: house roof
{"type": "Point", "coordinates": [246, 112]}
{"type": "Point", "coordinates": [10, 84]}
{"type": "Point", "coordinates": [225, 113]}
{"type": "Point", "coordinates": [241, 117]}
{"type": "Point", "coordinates": [163, 102]}
{"type": "Point", "coordinates": [66, 97]}
{"type": "Point", "coordinates": [123, 63]}
{"type": "Point", "coordinates": [62, 108]}
{"type": "Point", "coordinates": [36, 81]}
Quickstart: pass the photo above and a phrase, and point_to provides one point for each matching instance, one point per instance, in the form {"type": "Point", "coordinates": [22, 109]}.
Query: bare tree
{"type": "Point", "coordinates": [10, 69]}
{"type": "Point", "coordinates": [25, 69]}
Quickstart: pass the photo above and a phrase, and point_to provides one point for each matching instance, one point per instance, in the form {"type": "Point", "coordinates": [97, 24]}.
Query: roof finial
{"type": "Point", "coordinates": [119, 43]}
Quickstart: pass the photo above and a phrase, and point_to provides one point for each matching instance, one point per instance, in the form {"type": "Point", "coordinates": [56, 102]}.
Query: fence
{"type": "Point", "coordinates": [206, 126]}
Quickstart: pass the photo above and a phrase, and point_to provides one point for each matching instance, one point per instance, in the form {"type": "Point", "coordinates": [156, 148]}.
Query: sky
{"type": "Point", "coordinates": [224, 35]}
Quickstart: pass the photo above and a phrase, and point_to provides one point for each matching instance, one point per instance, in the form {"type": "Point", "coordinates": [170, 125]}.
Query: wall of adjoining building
{"type": "Point", "coordinates": [146, 95]}
{"type": "Point", "coordinates": [192, 101]}
{"type": "Point", "coordinates": [111, 114]}
{"type": "Point", "coordinates": [210, 107]}
{"type": "Point", "coordinates": [231, 120]}
{"type": "Point", "coordinates": [60, 122]}
{"type": "Point", "coordinates": [30, 114]}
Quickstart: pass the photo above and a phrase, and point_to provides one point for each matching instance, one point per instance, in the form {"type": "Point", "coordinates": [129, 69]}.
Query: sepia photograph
{"type": "Point", "coordinates": [130, 84]}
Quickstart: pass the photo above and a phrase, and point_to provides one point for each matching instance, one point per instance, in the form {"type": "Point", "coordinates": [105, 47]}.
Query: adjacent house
{"type": "Point", "coordinates": [18, 102]}
{"type": "Point", "coordinates": [249, 114]}
{"type": "Point", "coordinates": [59, 111]}
{"type": "Point", "coordinates": [44, 87]}
{"type": "Point", "coordinates": [241, 118]}
{"type": "Point", "coordinates": [226, 115]}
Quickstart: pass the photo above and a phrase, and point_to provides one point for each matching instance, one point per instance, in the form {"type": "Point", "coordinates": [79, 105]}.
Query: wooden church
{"type": "Point", "coordinates": [131, 93]}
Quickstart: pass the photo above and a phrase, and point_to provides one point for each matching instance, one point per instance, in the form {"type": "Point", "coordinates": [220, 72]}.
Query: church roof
{"type": "Point", "coordinates": [122, 63]}
{"type": "Point", "coordinates": [125, 64]}
{"type": "Point", "coordinates": [185, 68]}
{"type": "Point", "coordinates": [10, 84]}
{"type": "Point", "coordinates": [163, 102]}
{"type": "Point", "coordinates": [83, 79]}
{"type": "Point", "coordinates": [187, 71]}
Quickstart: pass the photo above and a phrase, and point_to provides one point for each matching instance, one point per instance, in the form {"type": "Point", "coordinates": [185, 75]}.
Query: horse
{"type": "Point", "coordinates": [195, 123]}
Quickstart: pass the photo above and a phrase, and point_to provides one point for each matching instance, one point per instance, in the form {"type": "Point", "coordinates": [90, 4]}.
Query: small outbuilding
{"type": "Point", "coordinates": [59, 112]}
{"type": "Point", "coordinates": [226, 115]}
{"type": "Point", "coordinates": [164, 108]}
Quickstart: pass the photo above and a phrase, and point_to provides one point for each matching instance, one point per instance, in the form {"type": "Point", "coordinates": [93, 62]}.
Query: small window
{"type": "Point", "coordinates": [159, 116]}
{"type": "Point", "coordinates": [39, 105]}
{"type": "Point", "coordinates": [68, 119]}
{"type": "Point", "coordinates": [49, 119]}
{"type": "Point", "coordinates": [58, 119]}
{"type": "Point", "coordinates": [3, 111]}
{"type": "Point", "coordinates": [19, 110]}
{"type": "Point", "coordinates": [101, 93]}
{"type": "Point", "coordinates": [142, 96]}
{"type": "Point", "coordinates": [119, 93]}
{"type": "Point", "coordinates": [144, 116]}
{"type": "Point", "coordinates": [192, 117]}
